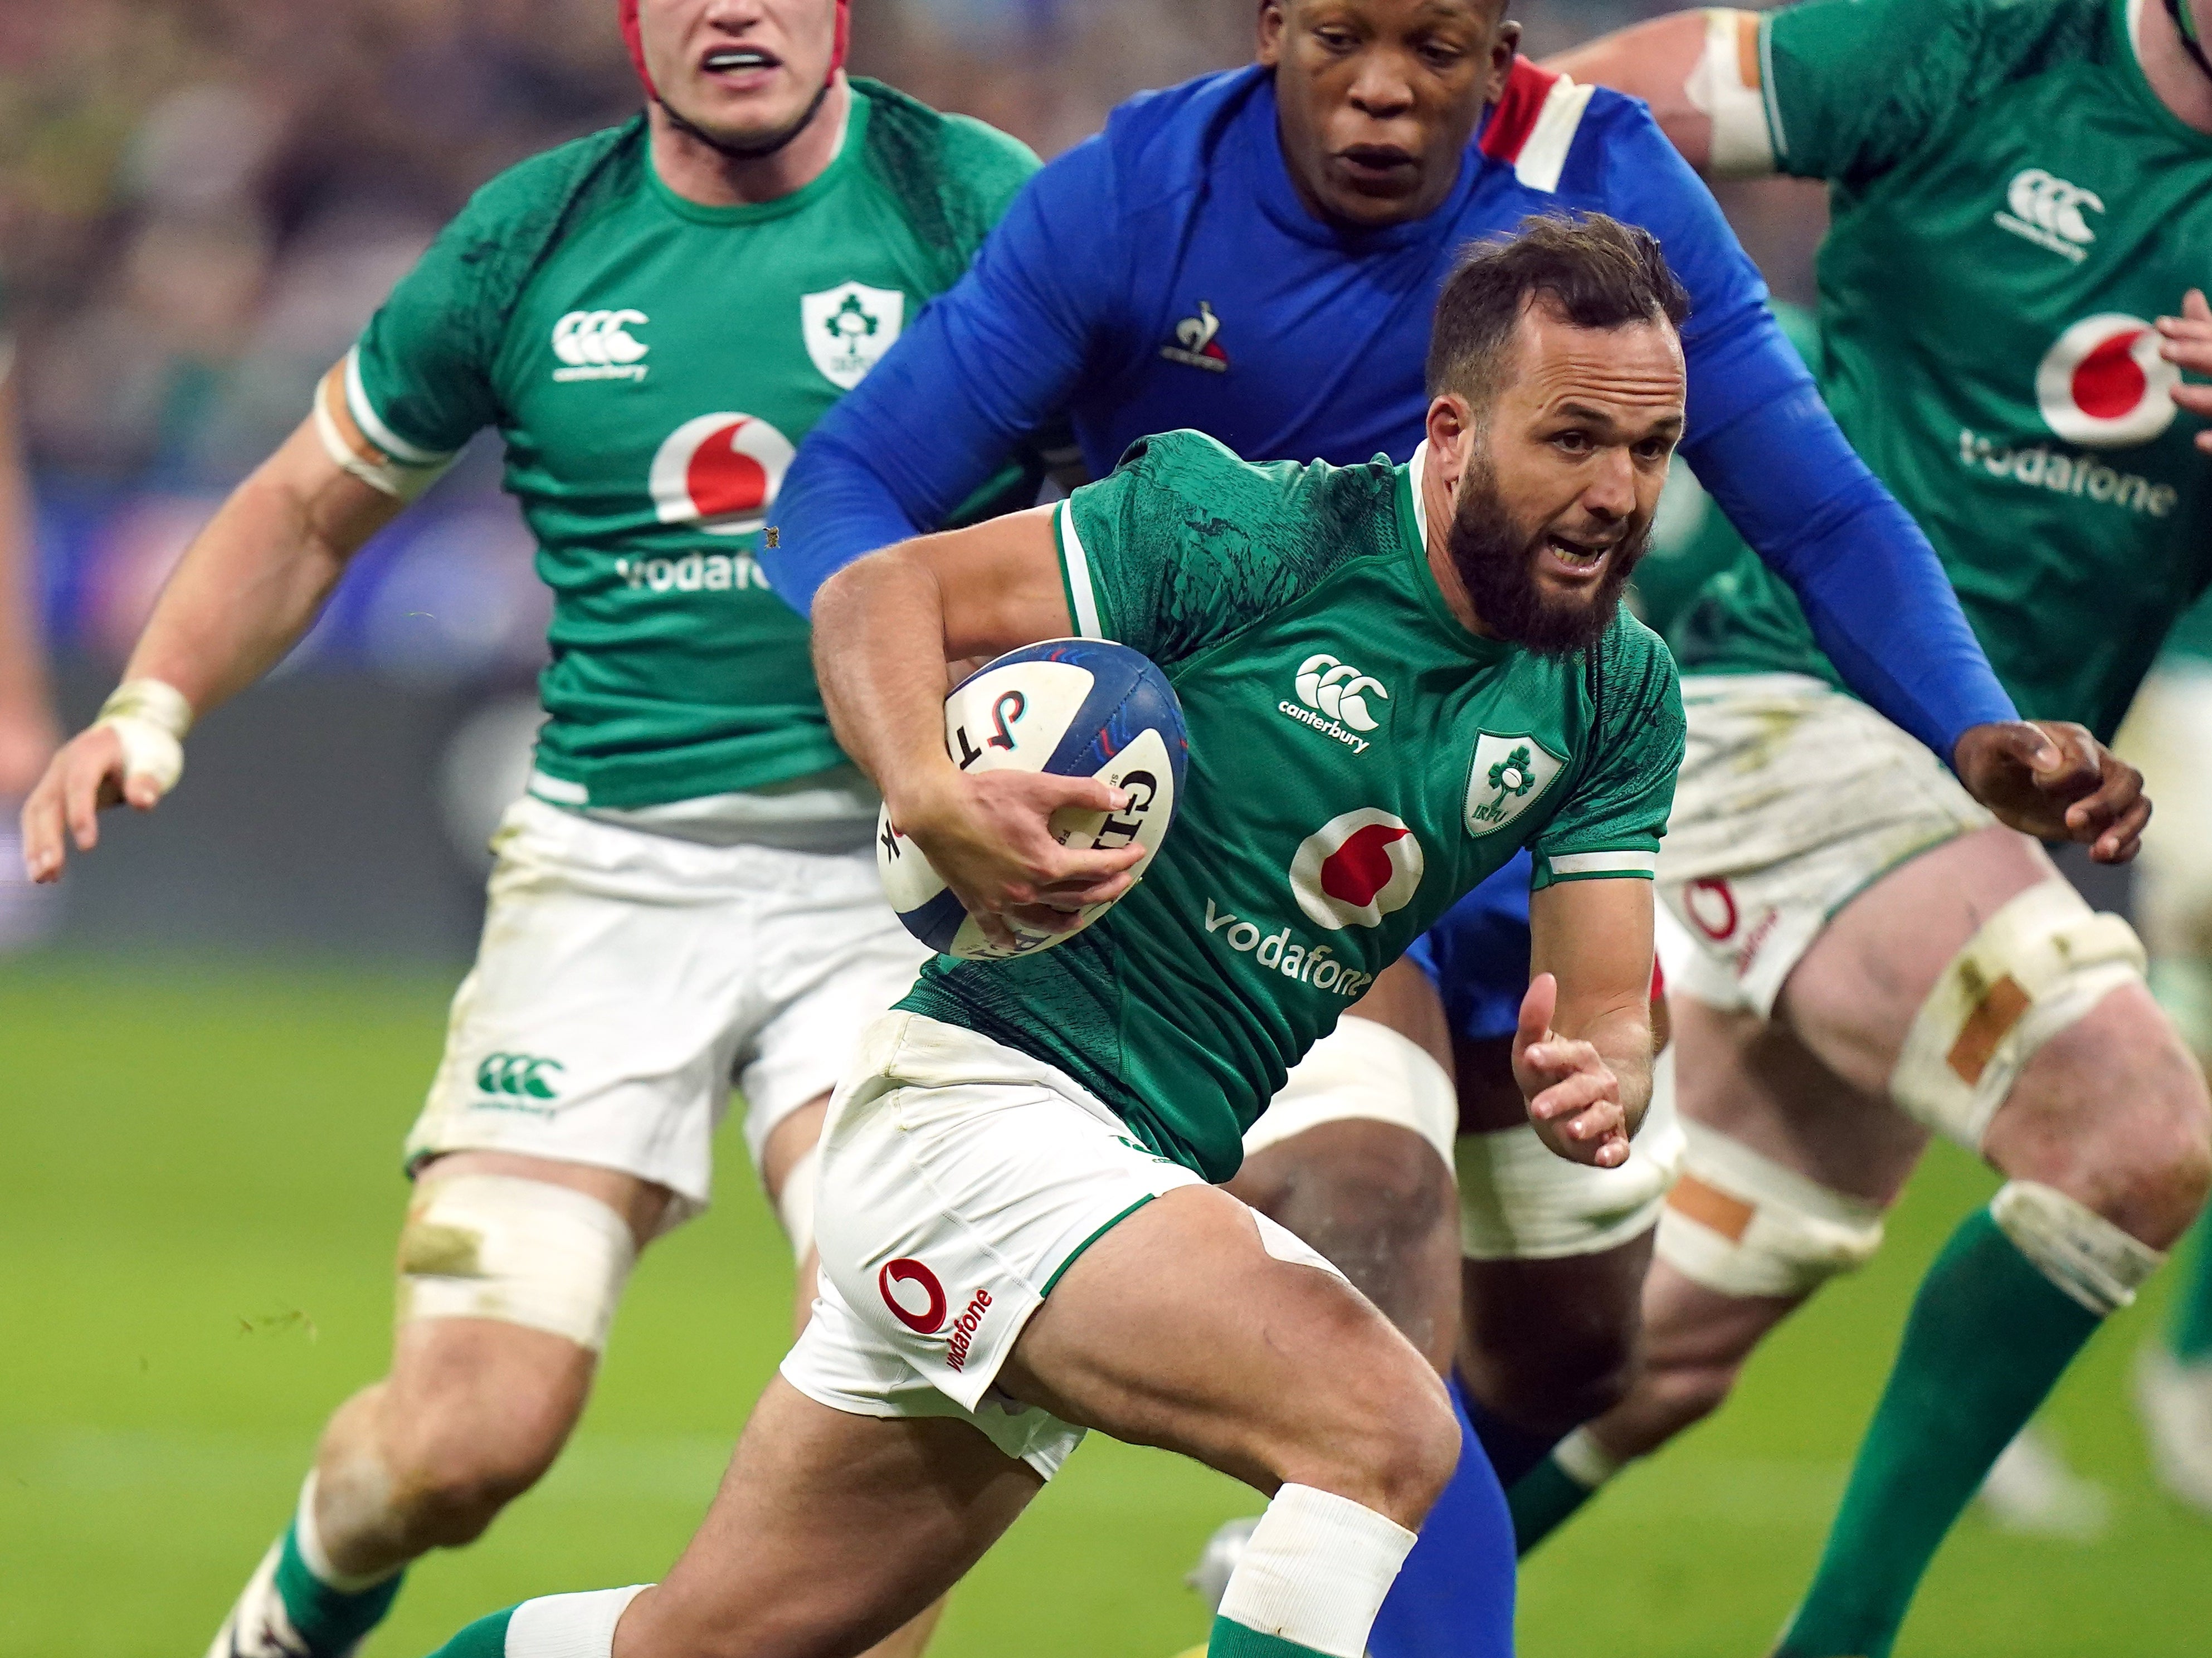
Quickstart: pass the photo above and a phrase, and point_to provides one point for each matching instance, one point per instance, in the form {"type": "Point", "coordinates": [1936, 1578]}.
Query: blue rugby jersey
{"type": "Point", "coordinates": [1164, 273]}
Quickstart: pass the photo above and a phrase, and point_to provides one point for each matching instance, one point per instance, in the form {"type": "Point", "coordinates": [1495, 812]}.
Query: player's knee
{"type": "Point", "coordinates": [1675, 1396]}
{"type": "Point", "coordinates": [1364, 1194]}
{"type": "Point", "coordinates": [1403, 1453]}
{"type": "Point", "coordinates": [452, 1470]}
{"type": "Point", "coordinates": [2113, 1112]}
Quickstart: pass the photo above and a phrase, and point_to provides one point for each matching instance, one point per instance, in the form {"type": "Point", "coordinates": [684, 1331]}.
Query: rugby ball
{"type": "Point", "coordinates": [1076, 707]}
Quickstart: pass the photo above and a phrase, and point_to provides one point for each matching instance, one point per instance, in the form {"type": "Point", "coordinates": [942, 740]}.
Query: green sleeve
{"type": "Point", "coordinates": [1855, 86]}
{"type": "Point", "coordinates": [1183, 544]}
{"type": "Point", "coordinates": [1611, 825]}
{"type": "Point", "coordinates": [419, 380]}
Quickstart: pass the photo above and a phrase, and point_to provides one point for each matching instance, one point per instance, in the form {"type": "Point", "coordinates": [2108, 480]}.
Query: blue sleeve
{"type": "Point", "coordinates": [1764, 446]}
{"type": "Point", "coordinates": [986, 365]}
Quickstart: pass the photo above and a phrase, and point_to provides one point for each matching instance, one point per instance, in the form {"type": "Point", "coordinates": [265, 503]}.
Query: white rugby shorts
{"type": "Point", "coordinates": [959, 1180]}
{"type": "Point", "coordinates": [626, 979]}
{"type": "Point", "coordinates": [1793, 799]}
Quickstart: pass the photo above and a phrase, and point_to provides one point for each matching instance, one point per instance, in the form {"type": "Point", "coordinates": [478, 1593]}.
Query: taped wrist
{"type": "Point", "coordinates": [149, 718]}
{"type": "Point", "coordinates": [1727, 86]}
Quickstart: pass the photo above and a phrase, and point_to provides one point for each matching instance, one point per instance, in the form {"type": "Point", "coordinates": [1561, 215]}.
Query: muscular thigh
{"type": "Point", "coordinates": [1853, 996]}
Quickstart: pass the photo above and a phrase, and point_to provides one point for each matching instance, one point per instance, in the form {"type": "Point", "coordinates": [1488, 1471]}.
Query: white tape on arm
{"type": "Point", "coordinates": [1726, 86]}
{"type": "Point", "coordinates": [149, 718]}
{"type": "Point", "coordinates": [352, 450]}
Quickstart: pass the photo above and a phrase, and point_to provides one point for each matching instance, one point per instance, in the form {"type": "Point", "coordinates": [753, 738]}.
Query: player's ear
{"type": "Point", "coordinates": [1271, 23]}
{"type": "Point", "coordinates": [1505, 48]}
{"type": "Point", "coordinates": [1453, 431]}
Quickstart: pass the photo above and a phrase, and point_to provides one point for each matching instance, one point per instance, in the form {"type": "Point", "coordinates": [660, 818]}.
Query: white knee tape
{"type": "Point", "coordinates": [1742, 1224]}
{"type": "Point", "coordinates": [2074, 1246]}
{"type": "Point", "coordinates": [794, 1204]}
{"type": "Point", "coordinates": [2037, 966]}
{"type": "Point", "coordinates": [519, 1251]}
{"type": "Point", "coordinates": [1519, 1200]}
{"type": "Point", "coordinates": [1362, 1069]}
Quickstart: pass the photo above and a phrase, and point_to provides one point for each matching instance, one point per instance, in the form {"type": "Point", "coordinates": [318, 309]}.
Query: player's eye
{"type": "Point", "coordinates": [1334, 39]}
{"type": "Point", "coordinates": [1440, 55]}
{"type": "Point", "coordinates": [1654, 449]}
{"type": "Point", "coordinates": [1572, 441]}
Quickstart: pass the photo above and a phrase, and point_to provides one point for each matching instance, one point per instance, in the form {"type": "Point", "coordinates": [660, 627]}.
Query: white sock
{"type": "Point", "coordinates": [1315, 1572]}
{"type": "Point", "coordinates": [316, 1558]}
{"type": "Point", "coordinates": [1583, 1461]}
{"type": "Point", "coordinates": [570, 1625]}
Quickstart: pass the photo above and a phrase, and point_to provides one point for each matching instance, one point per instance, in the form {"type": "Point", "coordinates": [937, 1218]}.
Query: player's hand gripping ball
{"type": "Point", "coordinates": [1074, 707]}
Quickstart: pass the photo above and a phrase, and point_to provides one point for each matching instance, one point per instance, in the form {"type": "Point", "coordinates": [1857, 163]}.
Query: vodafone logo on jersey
{"type": "Point", "coordinates": [1356, 869]}
{"type": "Point", "coordinates": [2103, 384]}
{"type": "Point", "coordinates": [720, 472]}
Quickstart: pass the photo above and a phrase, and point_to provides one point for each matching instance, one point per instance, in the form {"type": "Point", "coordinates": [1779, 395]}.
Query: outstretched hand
{"type": "Point", "coordinates": [2051, 779]}
{"type": "Point", "coordinates": [2185, 341]}
{"type": "Point", "coordinates": [92, 772]}
{"type": "Point", "coordinates": [989, 835]}
{"type": "Point", "coordinates": [1574, 1099]}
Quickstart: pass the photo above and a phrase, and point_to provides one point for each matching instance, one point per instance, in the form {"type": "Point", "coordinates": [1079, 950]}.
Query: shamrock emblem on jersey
{"type": "Point", "coordinates": [1508, 775]}
{"type": "Point", "coordinates": [849, 328]}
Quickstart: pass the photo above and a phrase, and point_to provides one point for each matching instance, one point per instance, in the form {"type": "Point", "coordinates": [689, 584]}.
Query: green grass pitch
{"type": "Point", "coordinates": [197, 1199]}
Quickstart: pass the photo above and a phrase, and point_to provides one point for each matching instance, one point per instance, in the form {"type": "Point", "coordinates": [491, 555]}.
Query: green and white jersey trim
{"type": "Point", "coordinates": [1594, 865]}
{"type": "Point", "coordinates": [373, 424]}
{"type": "Point", "coordinates": [1775, 135]}
{"type": "Point", "coordinates": [1075, 575]}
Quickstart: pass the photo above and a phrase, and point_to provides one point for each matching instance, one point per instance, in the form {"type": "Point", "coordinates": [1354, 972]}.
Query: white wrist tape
{"type": "Point", "coordinates": [1726, 86]}
{"type": "Point", "coordinates": [1316, 1571]}
{"type": "Point", "coordinates": [149, 718]}
{"type": "Point", "coordinates": [2074, 1246]}
{"type": "Point", "coordinates": [519, 1251]}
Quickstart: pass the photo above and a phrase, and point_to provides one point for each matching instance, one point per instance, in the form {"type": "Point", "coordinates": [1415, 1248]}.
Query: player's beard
{"type": "Point", "coordinates": [1496, 560]}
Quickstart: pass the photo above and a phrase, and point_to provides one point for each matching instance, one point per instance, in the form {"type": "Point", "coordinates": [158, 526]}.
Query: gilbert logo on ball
{"type": "Point", "coordinates": [720, 472]}
{"type": "Point", "coordinates": [1074, 707]}
{"type": "Point", "coordinates": [1357, 868]}
{"type": "Point", "coordinates": [2104, 386]}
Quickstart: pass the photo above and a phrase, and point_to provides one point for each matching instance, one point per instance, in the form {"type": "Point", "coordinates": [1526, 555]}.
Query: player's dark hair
{"type": "Point", "coordinates": [1592, 271]}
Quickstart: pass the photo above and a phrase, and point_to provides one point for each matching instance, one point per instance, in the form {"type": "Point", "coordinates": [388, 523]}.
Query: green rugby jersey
{"type": "Point", "coordinates": [2011, 207]}
{"type": "Point", "coordinates": [651, 364]}
{"type": "Point", "coordinates": [1359, 761]}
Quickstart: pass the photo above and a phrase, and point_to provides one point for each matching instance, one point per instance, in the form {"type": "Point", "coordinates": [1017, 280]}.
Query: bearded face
{"type": "Point", "coordinates": [1551, 588]}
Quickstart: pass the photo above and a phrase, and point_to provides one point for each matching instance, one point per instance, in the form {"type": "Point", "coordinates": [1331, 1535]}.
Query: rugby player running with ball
{"type": "Point", "coordinates": [2022, 202]}
{"type": "Point", "coordinates": [652, 317]}
{"type": "Point", "coordinates": [1253, 255]}
{"type": "Point", "coordinates": [1035, 1138]}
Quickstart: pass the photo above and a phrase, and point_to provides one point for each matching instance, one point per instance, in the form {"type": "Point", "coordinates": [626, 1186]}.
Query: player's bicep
{"type": "Point", "coordinates": [1000, 581]}
{"type": "Point", "coordinates": [320, 471]}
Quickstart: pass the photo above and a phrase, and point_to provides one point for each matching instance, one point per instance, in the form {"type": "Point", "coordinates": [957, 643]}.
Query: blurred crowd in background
{"type": "Point", "coordinates": [203, 201]}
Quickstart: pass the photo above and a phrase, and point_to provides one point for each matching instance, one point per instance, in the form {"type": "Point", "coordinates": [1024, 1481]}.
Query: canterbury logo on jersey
{"type": "Point", "coordinates": [1335, 696]}
{"type": "Point", "coordinates": [597, 345]}
{"type": "Point", "coordinates": [1195, 346]}
{"type": "Point", "coordinates": [2048, 210]}
{"type": "Point", "coordinates": [517, 1074]}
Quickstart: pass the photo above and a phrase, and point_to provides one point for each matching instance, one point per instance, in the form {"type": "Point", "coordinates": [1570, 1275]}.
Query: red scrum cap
{"type": "Point", "coordinates": [628, 14]}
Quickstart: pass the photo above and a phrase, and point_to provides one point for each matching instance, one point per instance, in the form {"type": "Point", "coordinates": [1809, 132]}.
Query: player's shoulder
{"type": "Point", "coordinates": [1205, 473]}
{"type": "Point", "coordinates": [1632, 674]}
{"type": "Point", "coordinates": [1164, 141]}
{"type": "Point", "coordinates": [1957, 50]}
{"type": "Point", "coordinates": [1555, 132]}
{"type": "Point", "coordinates": [943, 166]}
{"type": "Point", "coordinates": [545, 190]}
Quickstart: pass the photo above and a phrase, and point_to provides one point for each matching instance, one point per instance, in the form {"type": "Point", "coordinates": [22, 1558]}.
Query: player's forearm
{"type": "Point", "coordinates": [835, 506]}
{"type": "Point", "coordinates": [1701, 73]}
{"type": "Point", "coordinates": [252, 582]}
{"type": "Point", "coordinates": [1620, 1030]}
{"type": "Point", "coordinates": [879, 655]}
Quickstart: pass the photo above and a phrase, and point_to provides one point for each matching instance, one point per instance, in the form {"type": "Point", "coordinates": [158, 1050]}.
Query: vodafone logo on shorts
{"type": "Point", "coordinates": [1356, 869]}
{"type": "Point", "coordinates": [916, 1299]}
{"type": "Point", "coordinates": [720, 472]}
{"type": "Point", "coordinates": [2103, 384]}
